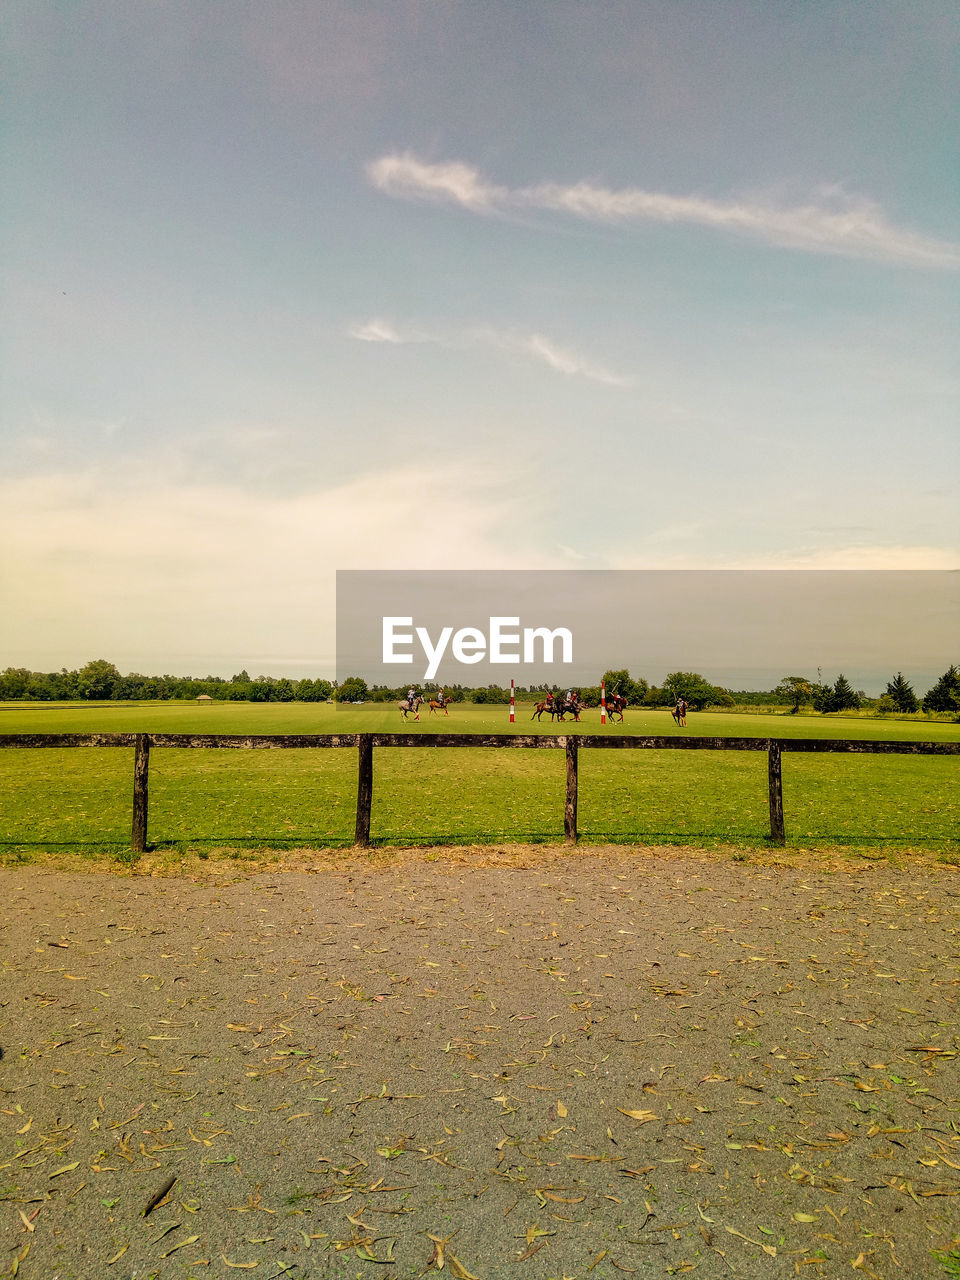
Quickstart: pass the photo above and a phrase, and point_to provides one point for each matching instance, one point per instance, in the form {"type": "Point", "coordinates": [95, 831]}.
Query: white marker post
{"type": "Point", "coordinates": [513, 715]}
{"type": "Point", "coordinates": [603, 702]}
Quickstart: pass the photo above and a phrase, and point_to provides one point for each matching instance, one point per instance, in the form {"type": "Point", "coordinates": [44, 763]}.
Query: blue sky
{"type": "Point", "coordinates": [292, 288]}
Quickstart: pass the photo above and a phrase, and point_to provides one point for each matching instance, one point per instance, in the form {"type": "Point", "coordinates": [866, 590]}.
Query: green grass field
{"type": "Point", "coordinates": [80, 799]}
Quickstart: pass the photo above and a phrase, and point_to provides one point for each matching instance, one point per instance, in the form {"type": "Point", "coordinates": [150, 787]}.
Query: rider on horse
{"type": "Point", "coordinates": [441, 699]}
{"type": "Point", "coordinates": [411, 696]}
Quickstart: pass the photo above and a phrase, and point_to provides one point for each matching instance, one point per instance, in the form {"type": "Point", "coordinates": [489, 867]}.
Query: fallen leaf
{"type": "Point", "coordinates": [459, 1270]}
{"type": "Point", "coordinates": [643, 1116]}
{"type": "Point", "coordinates": [182, 1245]}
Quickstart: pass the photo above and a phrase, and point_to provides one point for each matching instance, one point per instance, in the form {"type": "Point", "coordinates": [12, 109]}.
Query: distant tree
{"type": "Point", "coordinates": [98, 679]}
{"type": "Point", "coordinates": [844, 695]}
{"type": "Point", "coordinates": [492, 694]}
{"type": "Point", "coordinates": [313, 690]}
{"type": "Point", "coordinates": [690, 685]}
{"type": "Point", "coordinates": [14, 683]}
{"type": "Point", "coordinates": [797, 689]}
{"type": "Point", "coordinates": [353, 689]}
{"type": "Point", "coordinates": [899, 690]}
{"type": "Point", "coordinates": [945, 694]}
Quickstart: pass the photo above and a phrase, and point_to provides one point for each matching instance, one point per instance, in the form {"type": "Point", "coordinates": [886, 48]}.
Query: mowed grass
{"type": "Point", "coordinates": [80, 799]}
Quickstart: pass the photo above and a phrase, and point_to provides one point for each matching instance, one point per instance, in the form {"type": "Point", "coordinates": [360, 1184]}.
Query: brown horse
{"type": "Point", "coordinates": [573, 707]}
{"type": "Point", "coordinates": [439, 706]}
{"type": "Point", "coordinates": [405, 708]}
{"type": "Point", "coordinates": [550, 708]}
{"type": "Point", "coordinates": [616, 704]}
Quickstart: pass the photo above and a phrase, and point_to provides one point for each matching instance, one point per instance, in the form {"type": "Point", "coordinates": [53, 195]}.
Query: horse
{"type": "Point", "coordinates": [574, 707]}
{"type": "Point", "coordinates": [679, 714]}
{"type": "Point", "coordinates": [616, 703]}
{"type": "Point", "coordinates": [406, 709]}
{"type": "Point", "coordinates": [439, 706]}
{"type": "Point", "coordinates": [550, 708]}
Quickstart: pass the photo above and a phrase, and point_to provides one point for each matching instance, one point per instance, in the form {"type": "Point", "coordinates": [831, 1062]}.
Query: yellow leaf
{"type": "Point", "coordinates": [643, 1116]}
{"type": "Point", "coordinates": [26, 1126]}
{"type": "Point", "coordinates": [561, 1111]}
{"type": "Point", "coordinates": [118, 1255]}
{"type": "Point", "coordinates": [805, 1217]}
{"type": "Point", "coordinates": [182, 1245]}
{"type": "Point", "coordinates": [240, 1266]}
{"type": "Point", "coordinates": [734, 1232]}
{"type": "Point", "coordinates": [66, 1169]}
{"type": "Point", "coordinates": [459, 1270]}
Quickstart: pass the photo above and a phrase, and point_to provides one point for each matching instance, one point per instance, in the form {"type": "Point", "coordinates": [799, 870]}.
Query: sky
{"type": "Point", "coordinates": [293, 288]}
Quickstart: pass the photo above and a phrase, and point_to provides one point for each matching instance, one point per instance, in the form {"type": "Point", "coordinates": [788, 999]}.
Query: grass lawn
{"type": "Point", "coordinates": [79, 799]}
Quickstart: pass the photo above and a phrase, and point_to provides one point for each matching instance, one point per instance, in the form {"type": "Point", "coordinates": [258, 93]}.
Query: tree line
{"type": "Point", "coordinates": [100, 680]}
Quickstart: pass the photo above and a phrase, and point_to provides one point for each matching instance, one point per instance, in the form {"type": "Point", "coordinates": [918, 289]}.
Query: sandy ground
{"type": "Point", "coordinates": [617, 1062]}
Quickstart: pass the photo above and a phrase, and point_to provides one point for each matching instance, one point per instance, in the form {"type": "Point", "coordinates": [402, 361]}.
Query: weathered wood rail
{"type": "Point", "coordinates": [364, 743]}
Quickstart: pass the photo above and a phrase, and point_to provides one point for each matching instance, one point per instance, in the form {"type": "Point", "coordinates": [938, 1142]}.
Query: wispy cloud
{"type": "Point", "coordinates": [377, 331]}
{"type": "Point", "coordinates": [533, 345]}
{"type": "Point", "coordinates": [831, 223]}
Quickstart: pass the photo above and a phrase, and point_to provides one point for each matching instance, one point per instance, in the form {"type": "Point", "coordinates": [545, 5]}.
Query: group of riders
{"type": "Point", "coordinates": [570, 703]}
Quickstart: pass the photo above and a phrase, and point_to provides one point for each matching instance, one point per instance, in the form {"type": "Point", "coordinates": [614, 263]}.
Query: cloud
{"type": "Point", "coordinates": [534, 345]}
{"type": "Point", "coordinates": [832, 224]}
{"type": "Point", "coordinates": [404, 175]}
{"type": "Point", "coordinates": [377, 331]}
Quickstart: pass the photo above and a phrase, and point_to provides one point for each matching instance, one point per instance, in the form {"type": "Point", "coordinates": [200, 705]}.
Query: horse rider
{"type": "Point", "coordinates": [441, 699]}
{"type": "Point", "coordinates": [411, 696]}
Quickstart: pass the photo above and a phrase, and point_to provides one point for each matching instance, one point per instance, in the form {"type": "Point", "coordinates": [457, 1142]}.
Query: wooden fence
{"type": "Point", "coordinates": [364, 744]}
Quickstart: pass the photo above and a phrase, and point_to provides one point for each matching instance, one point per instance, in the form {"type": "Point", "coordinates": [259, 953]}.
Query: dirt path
{"type": "Point", "coordinates": [600, 1065]}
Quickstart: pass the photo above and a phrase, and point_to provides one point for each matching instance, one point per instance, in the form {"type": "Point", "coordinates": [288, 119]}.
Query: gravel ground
{"type": "Point", "coordinates": [618, 1062]}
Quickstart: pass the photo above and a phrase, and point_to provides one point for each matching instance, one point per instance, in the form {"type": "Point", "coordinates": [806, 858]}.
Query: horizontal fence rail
{"type": "Point", "coordinates": [364, 744]}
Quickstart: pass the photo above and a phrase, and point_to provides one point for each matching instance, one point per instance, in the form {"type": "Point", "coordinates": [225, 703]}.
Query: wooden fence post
{"type": "Point", "coordinates": [775, 784]}
{"type": "Point", "coordinates": [364, 787]}
{"type": "Point", "coordinates": [141, 786]}
{"type": "Point", "coordinates": [570, 808]}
